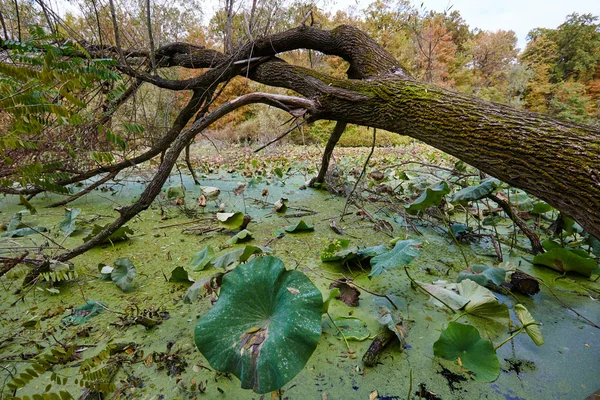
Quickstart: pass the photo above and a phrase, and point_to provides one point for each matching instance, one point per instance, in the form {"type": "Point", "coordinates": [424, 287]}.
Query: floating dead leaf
{"type": "Point", "coordinates": [222, 207]}
{"type": "Point", "coordinates": [349, 294]}
{"type": "Point", "coordinates": [265, 192]}
{"type": "Point", "coordinates": [373, 395]}
{"type": "Point", "coordinates": [202, 201]}
{"type": "Point", "coordinates": [148, 361]}
{"type": "Point", "coordinates": [239, 190]}
{"type": "Point", "coordinates": [376, 175]}
{"type": "Point", "coordinates": [179, 201]}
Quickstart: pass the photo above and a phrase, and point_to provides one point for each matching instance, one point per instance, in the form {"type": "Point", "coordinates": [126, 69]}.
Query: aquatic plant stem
{"type": "Point", "coordinates": [454, 239]}
{"type": "Point", "coordinates": [362, 173]}
{"type": "Point", "coordinates": [521, 329]}
{"type": "Point", "coordinates": [339, 330]}
{"type": "Point", "coordinates": [427, 291]}
{"type": "Point", "coordinates": [410, 386]}
{"type": "Point", "coordinates": [567, 307]}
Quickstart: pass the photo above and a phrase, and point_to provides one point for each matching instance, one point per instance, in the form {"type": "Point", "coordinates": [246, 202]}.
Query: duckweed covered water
{"type": "Point", "coordinates": [170, 367]}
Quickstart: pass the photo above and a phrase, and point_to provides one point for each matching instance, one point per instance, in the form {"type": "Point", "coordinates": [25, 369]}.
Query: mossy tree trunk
{"type": "Point", "coordinates": [556, 161]}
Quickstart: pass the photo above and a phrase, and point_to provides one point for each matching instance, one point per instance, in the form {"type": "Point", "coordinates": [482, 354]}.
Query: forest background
{"type": "Point", "coordinates": [557, 73]}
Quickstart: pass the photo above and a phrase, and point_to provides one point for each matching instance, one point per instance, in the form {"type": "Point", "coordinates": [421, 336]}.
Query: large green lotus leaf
{"type": "Point", "coordinates": [299, 227]}
{"type": "Point", "coordinates": [202, 258]}
{"type": "Point", "coordinates": [474, 193]}
{"type": "Point", "coordinates": [231, 220]}
{"type": "Point", "coordinates": [265, 325]}
{"type": "Point", "coordinates": [564, 260]}
{"type": "Point", "coordinates": [482, 302]}
{"type": "Point", "coordinates": [123, 274]}
{"type": "Point", "coordinates": [477, 354]}
{"type": "Point", "coordinates": [401, 255]}
{"type": "Point", "coordinates": [483, 274]}
{"type": "Point", "coordinates": [353, 328]}
{"type": "Point", "coordinates": [68, 225]}
{"type": "Point", "coordinates": [445, 294]}
{"type": "Point", "coordinates": [431, 197]}
{"type": "Point", "coordinates": [532, 329]}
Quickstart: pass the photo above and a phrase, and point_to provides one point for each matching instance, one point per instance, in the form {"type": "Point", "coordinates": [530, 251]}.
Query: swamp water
{"type": "Point", "coordinates": [565, 367]}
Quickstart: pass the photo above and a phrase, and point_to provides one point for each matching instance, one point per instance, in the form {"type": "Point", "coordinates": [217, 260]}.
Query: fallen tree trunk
{"type": "Point", "coordinates": [556, 161]}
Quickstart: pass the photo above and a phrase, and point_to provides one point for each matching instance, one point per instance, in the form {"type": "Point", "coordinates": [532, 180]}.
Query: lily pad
{"type": "Point", "coordinates": [231, 220]}
{"type": "Point", "coordinates": [431, 197]}
{"type": "Point", "coordinates": [280, 205]}
{"type": "Point", "coordinates": [179, 274]}
{"type": "Point", "coordinates": [176, 192]}
{"type": "Point", "coordinates": [83, 313]}
{"type": "Point", "coordinates": [203, 284]}
{"type": "Point", "coordinates": [482, 302]}
{"type": "Point", "coordinates": [352, 328]}
{"type": "Point", "coordinates": [238, 255]}
{"type": "Point", "coordinates": [202, 258]}
{"type": "Point", "coordinates": [21, 232]}
{"type": "Point", "coordinates": [401, 255]}
{"type": "Point", "coordinates": [68, 225]}
{"type": "Point", "coordinates": [563, 260]}
{"type": "Point", "coordinates": [329, 254]}
{"type": "Point", "coordinates": [463, 342]}
{"type": "Point", "coordinates": [15, 221]}
{"type": "Point", "coordinates": [299, 227]}
{"type": "Point", "coordinates": [445, 294]}
{"type": "Point", "coordinates": [541, 208]}
{"type": "Point", "coordinates": [210, 192]}
{"type": "Point", "coordinates": [483, 275]}
{"type": "Point", "coordinates": [123, 274]}
{"type": "Point", "coordinates": [105, 271]}
{"type": "Point", "coordinates": [394, 321]}
{"type": "Point", "coordinates": [117, 236]}
{"type": "Point", "coordinates": [531, 327]}
{"type": "Point", "coordinates": [265, 325]}
{"type": "Point", "coordinates": [242, 236]}
{"type": "Point", "coordinates": [474, 193]}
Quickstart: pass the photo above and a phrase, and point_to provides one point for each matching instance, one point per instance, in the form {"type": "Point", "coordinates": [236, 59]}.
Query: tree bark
{"type": "Point", "coordinates": [558, 162]}
{"type": "Point", "coordinates": [553, 160]}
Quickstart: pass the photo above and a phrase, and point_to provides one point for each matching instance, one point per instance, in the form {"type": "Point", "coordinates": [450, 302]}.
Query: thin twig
{"type": "Point", "coordinates": [566, 306]}
{"type": "Point", "coordinates": [427, 291]}
{"type": "Point", "coordinates": [362, 173]}
{"type": "Point", "coordinates": [278, 138]}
